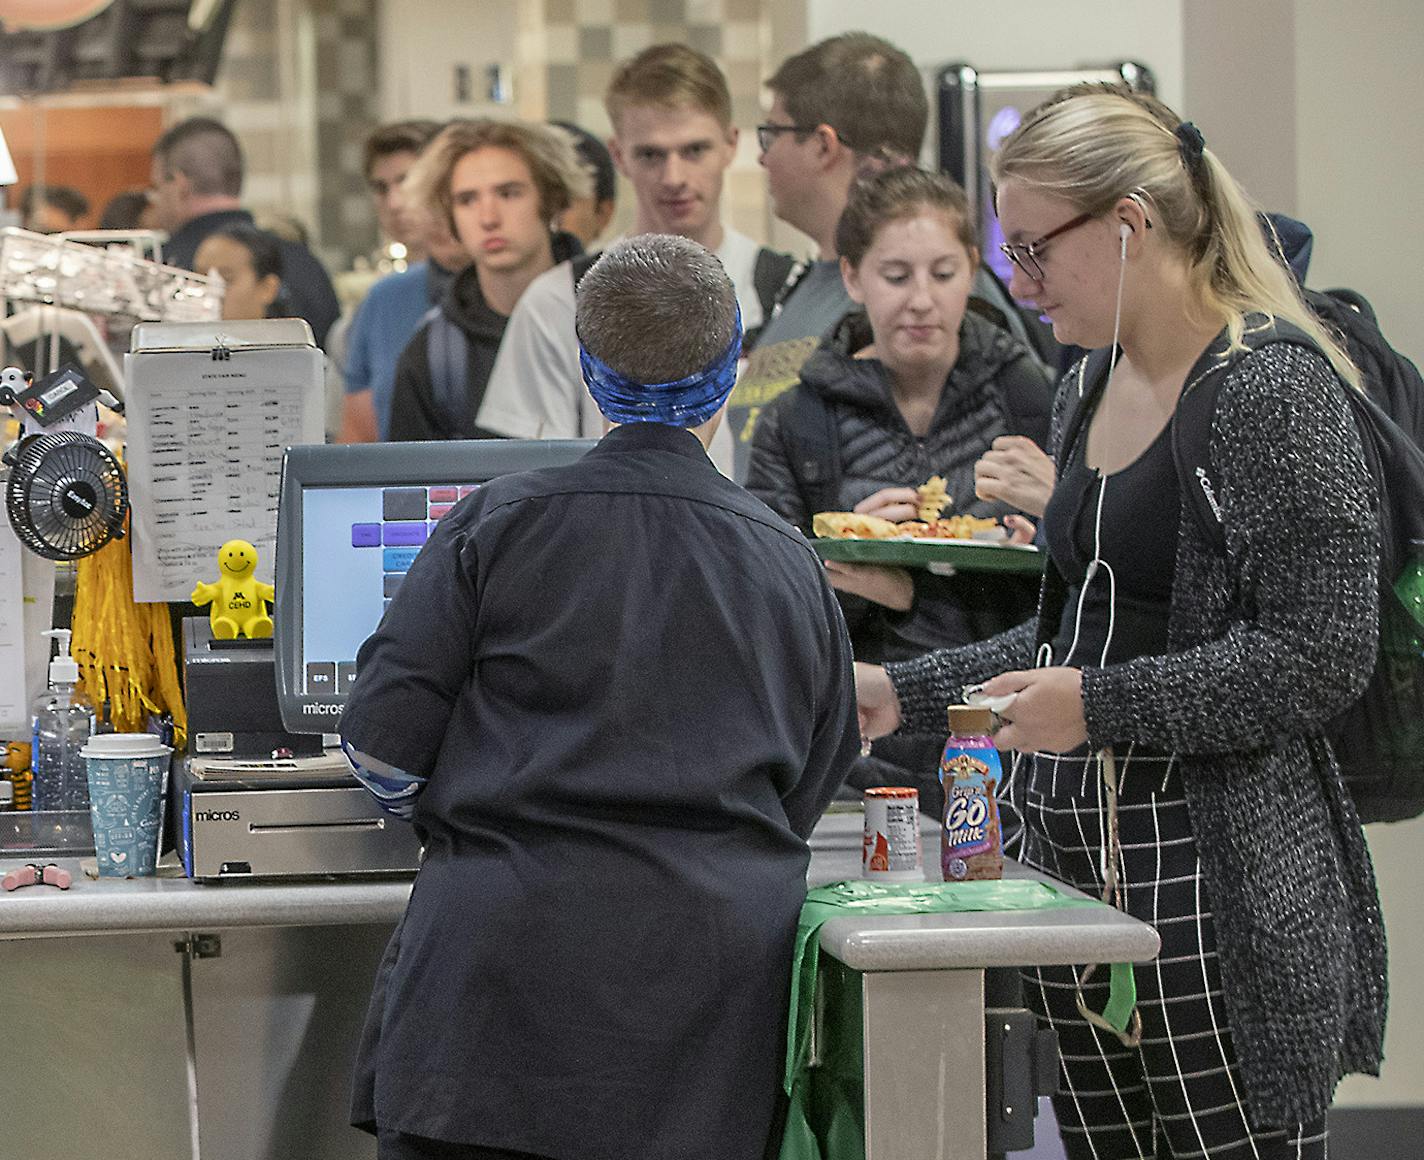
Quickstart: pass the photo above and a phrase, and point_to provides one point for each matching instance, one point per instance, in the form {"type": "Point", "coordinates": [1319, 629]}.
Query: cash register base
{"type": "Point", "coordinates": [298, 818]}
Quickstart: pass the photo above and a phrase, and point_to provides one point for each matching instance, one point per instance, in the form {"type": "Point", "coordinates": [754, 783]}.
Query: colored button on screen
{"type": "Point", "coordinates": [399, 559]}
{"type": "Point", "coordinates": [403, 534]}
{"type": "Point", "coordinates": [365, 535]}
{"type": "Point", "coordinates": [403, 503]}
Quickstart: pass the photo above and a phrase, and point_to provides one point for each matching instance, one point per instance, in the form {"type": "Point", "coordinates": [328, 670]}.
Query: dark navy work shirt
{"type": "Point", "coordinates": [629, 685]}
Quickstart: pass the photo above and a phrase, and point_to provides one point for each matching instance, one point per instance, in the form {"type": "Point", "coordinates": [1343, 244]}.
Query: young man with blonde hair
{"type": "Point", "coordinates": [673, 139]}
{"type": "Point", "coordinates": [498, 185]}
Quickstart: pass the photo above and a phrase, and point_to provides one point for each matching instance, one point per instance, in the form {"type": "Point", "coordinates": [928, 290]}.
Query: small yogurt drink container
{"type": "Point", "coordinates": [890, 851]}
{"type": "Point", "coordinates": [128, 774]}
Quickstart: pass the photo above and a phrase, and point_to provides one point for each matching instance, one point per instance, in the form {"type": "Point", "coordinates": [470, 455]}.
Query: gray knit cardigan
{"type": "Point", "coordinates": [1240, 698]}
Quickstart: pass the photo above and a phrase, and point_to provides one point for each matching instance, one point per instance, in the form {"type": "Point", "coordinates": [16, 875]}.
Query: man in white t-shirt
{"type": "Point", "coordinates": [673, 138]}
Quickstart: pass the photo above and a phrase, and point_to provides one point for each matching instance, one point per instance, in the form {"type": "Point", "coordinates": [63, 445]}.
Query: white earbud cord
{"type": "Point", "coordinates": [1110, 845]}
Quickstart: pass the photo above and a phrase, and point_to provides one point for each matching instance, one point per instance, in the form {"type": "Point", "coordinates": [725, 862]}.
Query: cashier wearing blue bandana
{"type": "Point", "coordinates": [613, 698]}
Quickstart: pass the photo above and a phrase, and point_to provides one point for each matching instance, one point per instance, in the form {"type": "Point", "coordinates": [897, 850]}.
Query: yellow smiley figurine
{"type": "Point", "coordinates": [238, 599]}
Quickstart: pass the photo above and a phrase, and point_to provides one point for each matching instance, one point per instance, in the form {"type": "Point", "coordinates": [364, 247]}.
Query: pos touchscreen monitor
{"type": "Point", "coordinates": [350, 520]}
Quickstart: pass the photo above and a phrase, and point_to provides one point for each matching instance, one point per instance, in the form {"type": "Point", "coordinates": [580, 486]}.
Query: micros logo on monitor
{"type": "Point", "coordinates": [320, 708]}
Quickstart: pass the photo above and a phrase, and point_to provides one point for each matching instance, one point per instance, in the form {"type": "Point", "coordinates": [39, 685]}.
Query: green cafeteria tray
{"type": "Point", "coordinates": [936, 555]}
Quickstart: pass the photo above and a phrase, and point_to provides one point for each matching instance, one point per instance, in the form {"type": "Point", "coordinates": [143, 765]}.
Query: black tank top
{"type": "Point", "coordinates": [1140, 511]}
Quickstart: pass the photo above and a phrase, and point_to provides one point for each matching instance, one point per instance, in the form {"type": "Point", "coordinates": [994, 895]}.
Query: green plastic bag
{"type": "Point", "coordinates": [825, 1116]}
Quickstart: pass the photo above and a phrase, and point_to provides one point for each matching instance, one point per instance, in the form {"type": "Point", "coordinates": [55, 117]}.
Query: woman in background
{"type": "Point", "coordinates": [249, 261]}
{"type": "Point", "coordinates": [913, 384]}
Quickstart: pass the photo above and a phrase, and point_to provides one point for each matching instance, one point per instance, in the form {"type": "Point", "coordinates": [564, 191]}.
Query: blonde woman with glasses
{"type": "Point", "coordinates": [1168, 702]}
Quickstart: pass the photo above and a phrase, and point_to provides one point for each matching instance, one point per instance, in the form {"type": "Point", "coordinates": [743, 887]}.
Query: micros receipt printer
{"type": "Point", "coordinates": [255, 801]}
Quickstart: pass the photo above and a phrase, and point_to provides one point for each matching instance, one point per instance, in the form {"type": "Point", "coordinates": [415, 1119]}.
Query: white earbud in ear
{"type": "Point", "coordinates": [1125, 231]}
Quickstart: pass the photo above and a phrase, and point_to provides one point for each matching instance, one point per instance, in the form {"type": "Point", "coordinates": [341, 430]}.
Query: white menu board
{"type": "Point", "coordinates": [206, 437]}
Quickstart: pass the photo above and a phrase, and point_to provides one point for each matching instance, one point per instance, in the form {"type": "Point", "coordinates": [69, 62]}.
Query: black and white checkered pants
{"type": "Point", "coordinates": [1180, 1093]}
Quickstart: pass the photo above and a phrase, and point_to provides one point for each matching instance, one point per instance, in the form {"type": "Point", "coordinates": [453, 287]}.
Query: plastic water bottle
{"type": "Point", "coordinates": [63, 722]}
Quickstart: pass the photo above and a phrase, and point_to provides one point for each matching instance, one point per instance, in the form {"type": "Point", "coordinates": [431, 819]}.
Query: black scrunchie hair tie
{"type": "Point", "coordinates": [1190, 143]}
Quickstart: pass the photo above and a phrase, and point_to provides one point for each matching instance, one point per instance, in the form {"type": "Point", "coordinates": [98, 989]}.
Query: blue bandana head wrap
{"type": "Point", "coordinates": [687, 402]}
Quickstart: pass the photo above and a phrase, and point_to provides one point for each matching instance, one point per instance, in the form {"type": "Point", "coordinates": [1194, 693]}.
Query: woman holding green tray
{"type": "Point", "coordinates": [914, 384]}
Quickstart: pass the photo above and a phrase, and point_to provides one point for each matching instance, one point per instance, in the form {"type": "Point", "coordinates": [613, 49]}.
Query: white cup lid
{"type": "Point", "coordinates": [125, 745]}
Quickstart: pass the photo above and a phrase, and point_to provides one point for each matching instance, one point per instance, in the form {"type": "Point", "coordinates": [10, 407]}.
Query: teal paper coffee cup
{"type": "Point", "coordinates": [128, 773]}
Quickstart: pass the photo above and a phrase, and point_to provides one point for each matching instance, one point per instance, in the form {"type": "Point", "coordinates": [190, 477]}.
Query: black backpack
{"type": "Point", "coordinates": [1379, 741]}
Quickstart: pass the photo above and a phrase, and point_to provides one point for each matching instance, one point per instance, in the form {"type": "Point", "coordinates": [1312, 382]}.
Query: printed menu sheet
{"type": "Point", "coordinates": [205, 444]}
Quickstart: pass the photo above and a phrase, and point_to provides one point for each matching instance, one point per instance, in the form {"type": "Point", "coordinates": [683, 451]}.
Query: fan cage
{"type": "Point", "coordinates": [66, 496]}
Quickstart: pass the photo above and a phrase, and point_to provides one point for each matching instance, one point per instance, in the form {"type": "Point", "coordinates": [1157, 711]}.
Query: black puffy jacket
{"type": "Point", "coordinates": [995, 388]}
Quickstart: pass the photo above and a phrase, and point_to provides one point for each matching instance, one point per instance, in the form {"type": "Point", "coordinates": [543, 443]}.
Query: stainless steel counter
{"type": "Point", "coordinates": [207, 1052]}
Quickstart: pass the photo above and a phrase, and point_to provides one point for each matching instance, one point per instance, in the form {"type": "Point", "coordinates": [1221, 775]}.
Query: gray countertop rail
{"type": "Point", "coordinates": [878, 943]}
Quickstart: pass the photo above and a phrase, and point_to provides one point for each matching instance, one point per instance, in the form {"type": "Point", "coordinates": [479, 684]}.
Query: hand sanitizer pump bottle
{"type": "Point", "coordinates": [63, 722]}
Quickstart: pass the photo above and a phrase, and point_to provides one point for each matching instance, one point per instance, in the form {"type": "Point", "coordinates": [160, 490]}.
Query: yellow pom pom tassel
{"type": "Point", "coordinates": [124, 649]}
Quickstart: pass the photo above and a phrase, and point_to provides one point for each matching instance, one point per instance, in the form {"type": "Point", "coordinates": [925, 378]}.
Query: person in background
{"type": "Point", "coordinates": [249, 261]}
{"type": "Point", "coordinates": [497, 185]}
{"type": "Point", "coordinates": [53, 209]}
{"type": "Point", "coordinates": [673, 139]}
{"type": "Point", "coordinates": [1169, 701]}
{"type": "Point", "coordinates": [594, 960]}
{"type": "Point", "coordinates": [393, 308]}
{"type": "Point", "coordinates": [129, 210]}
{"type": "Point", "coordinates": [587, 217]}
{"type": "Point", "coordinates": [196, 189]}
{"type": "Point", "coordinates": [914, 385]}
{"type": "Point", "coordinates": [388, 154]}
{"type": "Point", "coordinates": [843, 107]}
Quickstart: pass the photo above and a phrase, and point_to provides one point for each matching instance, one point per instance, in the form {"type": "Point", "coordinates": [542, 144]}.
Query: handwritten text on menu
{"type": "Point", "coordinates": [206, 441]}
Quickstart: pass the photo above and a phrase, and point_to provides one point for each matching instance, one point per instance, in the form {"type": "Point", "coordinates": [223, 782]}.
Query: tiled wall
{"type": "Point", "coordinates": [582, 40]}
{"type": "Point", "coordinates": [348, 108]}
{"type": "Point", "coordinates": [297, 85]}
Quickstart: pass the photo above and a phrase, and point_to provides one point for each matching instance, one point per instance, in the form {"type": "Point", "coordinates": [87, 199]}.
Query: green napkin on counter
{"type": "Point", "coordinates": [824, 1120]}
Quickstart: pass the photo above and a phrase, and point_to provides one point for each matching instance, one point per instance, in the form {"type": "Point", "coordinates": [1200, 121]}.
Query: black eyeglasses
{"type": "Point", "coordinates": [766, 134]}
{"type": "Point", "coordinates": [1025, 255]}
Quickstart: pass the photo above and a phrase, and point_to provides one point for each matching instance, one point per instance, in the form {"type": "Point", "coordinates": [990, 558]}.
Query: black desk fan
{"type": "Point", "coordinates": [65, 494]}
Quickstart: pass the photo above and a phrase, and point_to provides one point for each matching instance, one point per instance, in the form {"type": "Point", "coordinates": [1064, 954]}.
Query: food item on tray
{"type": "Point", "coordinates": [958, 528]}
{"type": "Point", "coordinates": [853, 525]}
{"type": "Point", "coordinates": [847, 525]}
{"type": "Point", "coordinates": [933, 498]}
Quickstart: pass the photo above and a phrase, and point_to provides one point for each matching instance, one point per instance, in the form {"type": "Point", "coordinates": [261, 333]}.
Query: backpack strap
{"type": "Point", "coordinates": [1197, 474]}
{"type": "Point", "coordinates": [581, 264]}
{"type": "Point", "coordinates": [1091, 378]}
{"type": "Point", "coordinates": [769, 274]}
{"type": "Point", "coordinates": [1191, 452]}
{"type": "Point", "coordinates": [813, 451]}
{"type": "Point", "coordinates": [447, 352]}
